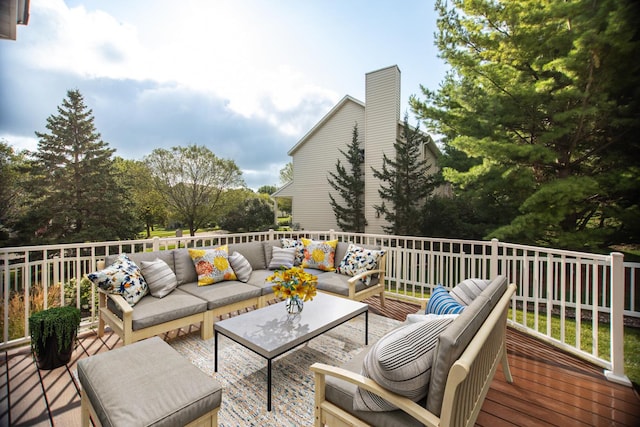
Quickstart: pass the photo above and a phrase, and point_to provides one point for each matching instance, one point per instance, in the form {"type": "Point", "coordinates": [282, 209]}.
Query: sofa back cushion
{"type": "Point", "coordinates": [454, 340]}
{"type": "Point", "coordinates": [184, 268]}
{"type": "Point", "coordinates": [267, 247]}
{"type": "Point", "coordinates": [253, 252]}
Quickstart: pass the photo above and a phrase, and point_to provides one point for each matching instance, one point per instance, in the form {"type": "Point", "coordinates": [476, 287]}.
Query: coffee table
{"type": "Point", "coordinates": [270, 331]}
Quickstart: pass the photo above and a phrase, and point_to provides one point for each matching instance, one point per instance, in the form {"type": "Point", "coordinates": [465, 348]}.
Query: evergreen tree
{"type": "Point", "coordinates": [544, 99]}
{"type": "Point", "coordinates": [350, 186]}
{"type": "Point", "coordinates": [405, 183]}
{"type": "Point", "coordinates": [76, 195]}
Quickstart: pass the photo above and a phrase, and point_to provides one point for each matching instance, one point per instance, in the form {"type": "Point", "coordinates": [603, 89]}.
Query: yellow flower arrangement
{"type": "Point", "coordinates": [294, 282]}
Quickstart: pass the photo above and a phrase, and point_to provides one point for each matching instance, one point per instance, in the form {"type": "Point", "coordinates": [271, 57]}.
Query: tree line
{"type": "Point", "coordinates": [72, 188]}
{"type": "Point", "coordinates": [538, 117]}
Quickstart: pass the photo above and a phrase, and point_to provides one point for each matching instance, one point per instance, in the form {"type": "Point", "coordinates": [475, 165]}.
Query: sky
{"type": "Point", "coordinates": [245, 78]}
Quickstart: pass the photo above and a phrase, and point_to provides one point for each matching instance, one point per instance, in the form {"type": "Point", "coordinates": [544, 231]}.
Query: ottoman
{"type": "Point", "coordinates": [147, 383]}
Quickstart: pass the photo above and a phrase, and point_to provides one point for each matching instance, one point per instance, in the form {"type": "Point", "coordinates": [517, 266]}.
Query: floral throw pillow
{"type": "Point", "coordinates": [212, 265]}
{"type": "Point", "coordinates": [358, 260]}
{"type": "Point", "coordinates": [294, 243]}
{"type": "Point", "coordinates": [319, 254]}
{"type": "Point", "coordinates": [122, 277]}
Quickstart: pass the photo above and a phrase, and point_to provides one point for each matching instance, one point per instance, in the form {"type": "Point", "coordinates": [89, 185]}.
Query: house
{"type": "Point", "coordinates": [12, 13]}
{"type": "Point", "coordinates": [315, 155]}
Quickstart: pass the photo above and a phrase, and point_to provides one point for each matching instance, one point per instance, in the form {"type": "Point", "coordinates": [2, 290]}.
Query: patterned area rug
{"type": "Point", "coordinates": [243, 374]}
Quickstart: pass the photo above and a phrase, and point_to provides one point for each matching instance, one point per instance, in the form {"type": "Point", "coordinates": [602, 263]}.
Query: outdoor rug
{"type": "Point", "coordinates": [243, 374]}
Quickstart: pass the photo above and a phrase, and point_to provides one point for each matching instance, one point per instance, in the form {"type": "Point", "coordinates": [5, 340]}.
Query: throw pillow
{"type": "Point", "coordinates": [122, 277]}
{"type": "Point", "coordinates": [358, 260]}
{"type": "Point", "coordinates": [467, 290]}
{"type": "Point", "coordinates": [400, 362]}
{"type": "Point", "coordinates": [319, 254]}
{"type": "Point", "coordinates": [294, 243]}
{"type": "Point", "coordinates": [212, 265]}
{"type": "Point", "coordinates": [159, 276]}
{"type": "Point", "coordinates": [441, 302]}
{"type": "Point", "coordinates": [282, 258]}
{"type": "Point", "coordinates": [241, 266]}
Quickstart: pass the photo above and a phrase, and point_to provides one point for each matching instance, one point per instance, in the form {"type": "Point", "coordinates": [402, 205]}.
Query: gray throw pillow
{"type": "Point", "coordinates": [401, 362]}
{"type": "Point", "coordinates": [241, 266]}
{"type": "Point", "coordinates": [159, 276]}
{"type": "Point", "coordinates": [282, 257]}
{"type": "Point", "coordinates": [467, 290]}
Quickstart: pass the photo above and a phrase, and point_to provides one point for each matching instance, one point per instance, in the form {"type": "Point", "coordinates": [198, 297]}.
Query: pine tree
{"type": "Point", "coordinates": [405, 183]}
{"type": "Point", "coordinates": [543, 97]}
{"type": "Point", "coordinates": [77, 196]}
{"type": "Point", "coordinates": [350, 187]}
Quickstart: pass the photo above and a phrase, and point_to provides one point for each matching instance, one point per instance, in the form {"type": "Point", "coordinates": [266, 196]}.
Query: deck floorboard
{"type": "Point", "coordinates": [551, 388]}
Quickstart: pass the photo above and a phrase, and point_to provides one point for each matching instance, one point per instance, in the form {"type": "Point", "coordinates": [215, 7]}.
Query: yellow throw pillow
{"type": "Point", "coordinates": [319, 254]}
{"type": "Point", "coordinates": [212, 265]}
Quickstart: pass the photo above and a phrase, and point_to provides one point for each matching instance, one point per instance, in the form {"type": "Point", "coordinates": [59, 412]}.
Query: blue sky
{"type": "Point", "coordinates": [246, 78]}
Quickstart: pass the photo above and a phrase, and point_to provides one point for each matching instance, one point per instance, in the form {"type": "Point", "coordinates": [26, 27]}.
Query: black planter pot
{"type": "Point", "coordinates": [49, 356]}
{"type": "Point", "coordinates": [53, 335]}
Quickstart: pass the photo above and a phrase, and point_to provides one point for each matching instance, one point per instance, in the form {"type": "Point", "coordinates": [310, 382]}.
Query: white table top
{"type": "Point", "coordinates": [271, 331]}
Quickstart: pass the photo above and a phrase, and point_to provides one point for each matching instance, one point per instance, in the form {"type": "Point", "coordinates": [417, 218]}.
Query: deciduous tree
{"type": "Point", "coordinates": [192, 180]}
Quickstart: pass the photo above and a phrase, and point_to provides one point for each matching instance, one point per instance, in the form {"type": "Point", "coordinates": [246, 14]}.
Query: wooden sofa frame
{"type": "Point", "coordinates": [467, 384]}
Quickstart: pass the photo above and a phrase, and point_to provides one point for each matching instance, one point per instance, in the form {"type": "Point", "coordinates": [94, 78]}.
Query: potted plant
{"type": "Point", "coordinates": [53, 333]}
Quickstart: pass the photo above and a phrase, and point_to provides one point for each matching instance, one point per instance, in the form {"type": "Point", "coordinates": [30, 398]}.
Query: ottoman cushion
{"type": "Point", "coordinates": [147, 384]}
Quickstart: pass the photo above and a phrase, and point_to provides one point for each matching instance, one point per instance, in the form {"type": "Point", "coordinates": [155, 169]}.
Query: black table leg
{"type": "Point", "coordinates": [268, 384]}
{"type": "Point", "coordinates": [366, 327]}
{"type": "Point", "coordinates": [215, 352]}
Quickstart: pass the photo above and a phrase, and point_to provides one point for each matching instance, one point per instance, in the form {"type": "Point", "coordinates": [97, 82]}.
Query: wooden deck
{"type": "Point", "coordinates": [550, 388]}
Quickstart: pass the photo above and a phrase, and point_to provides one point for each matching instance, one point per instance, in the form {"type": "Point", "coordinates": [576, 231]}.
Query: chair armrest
{"type": "Point", "coordinates": [407, 405]}
{"type": "Point", "coordinates": [119, 300]}
{"type": "Point", "coordinates": [359, 276]}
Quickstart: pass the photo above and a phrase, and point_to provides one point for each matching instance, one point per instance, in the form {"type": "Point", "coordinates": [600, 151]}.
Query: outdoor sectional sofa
{"type": "Point", "coordinates": [190, 303]}
{"type": "Point", "coordinates": [447, 362]}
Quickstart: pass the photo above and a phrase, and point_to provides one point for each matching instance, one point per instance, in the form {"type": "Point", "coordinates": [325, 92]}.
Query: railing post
{"type": "Point", "coordinates": [271, 234]}
{"type": "Point", "coordinates": [332, 234]}
{"type": "Point", "coordinates": [493, 264]}
{"type": "Point", "coordinates": [617, 321]}
{"type": "Point", "coordinates": [156, 243]}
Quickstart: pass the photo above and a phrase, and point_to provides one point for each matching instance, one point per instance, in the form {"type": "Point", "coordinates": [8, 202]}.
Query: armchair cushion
{"type": "Point", "coordinates": [401, 362]}
{"type": "Point", "coordinates": [122, 277]}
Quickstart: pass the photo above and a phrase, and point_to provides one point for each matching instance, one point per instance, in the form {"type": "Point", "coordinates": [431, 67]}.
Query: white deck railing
{"type": "Point", "coordinates": [583, 293]}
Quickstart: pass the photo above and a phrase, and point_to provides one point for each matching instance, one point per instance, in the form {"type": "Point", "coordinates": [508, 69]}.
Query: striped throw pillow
{"type": "Point", "coordinates": [401, 362]}
{"type": "Point", "coordinates": [282, 258]}
{"type": "Point", "coordinates": [441, 302]}
{"type": "Point", "coordinates": [467, 290]}
{"type": "Point", "coordinates": [241, 266]}
{"type": "Point", "coordinates": [159, 276]}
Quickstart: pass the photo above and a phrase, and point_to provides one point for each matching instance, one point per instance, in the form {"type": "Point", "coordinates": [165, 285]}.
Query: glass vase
{"type": "Point", "coordinates": [294, 305]}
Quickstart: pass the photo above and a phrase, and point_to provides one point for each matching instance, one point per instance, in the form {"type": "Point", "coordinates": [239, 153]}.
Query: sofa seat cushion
{"type": "Point", "coordinates": [341, 393]}
{"type": "Point", "coordinates": [151, 311]}
{"type": "Point", "coordinates": [222, 293]}
{"type": "Point", "coordinates": [339, 283]}
{"type": "Point", "coordinates": [401, 363]}
{"type": "Point", "coordinates": [259, 280]}
{"type": "Point", "coordinates": [161, 389]}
